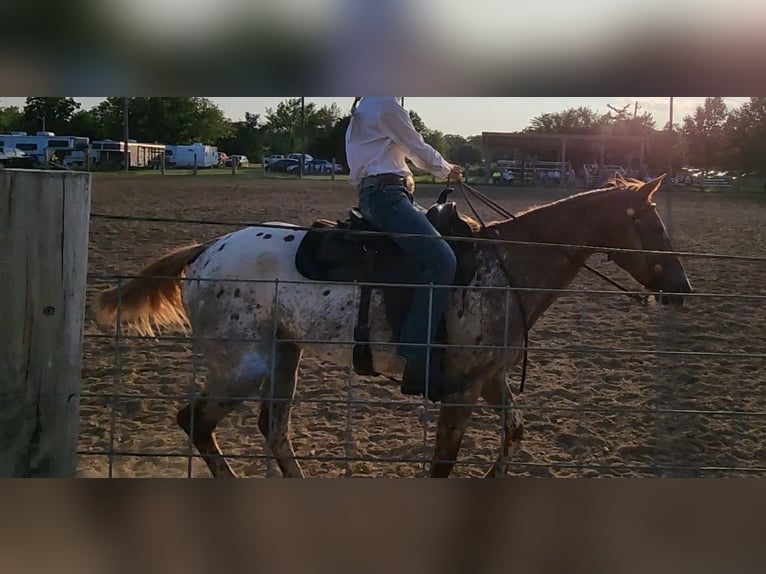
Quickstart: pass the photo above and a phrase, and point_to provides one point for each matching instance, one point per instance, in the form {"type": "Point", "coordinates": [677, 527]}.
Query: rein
{"type": "Point", "coordinates": [465, 189]}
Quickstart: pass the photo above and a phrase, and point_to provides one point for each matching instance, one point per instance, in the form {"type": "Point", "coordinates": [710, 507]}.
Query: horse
{"type": "Point", "coordinates": [246, 286]}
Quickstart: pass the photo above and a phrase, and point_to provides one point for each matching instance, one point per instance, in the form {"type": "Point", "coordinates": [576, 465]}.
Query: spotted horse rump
{"type": "Point", "coordinates": [354, 250]}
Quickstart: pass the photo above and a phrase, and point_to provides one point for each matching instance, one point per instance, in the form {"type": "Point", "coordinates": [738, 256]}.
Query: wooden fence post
{"type": "Point", "coordinates": [44, 222]}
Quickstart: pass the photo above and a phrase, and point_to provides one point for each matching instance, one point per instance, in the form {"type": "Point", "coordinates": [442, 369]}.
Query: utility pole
{"type": "Point", "coordinates": [303, 136]}
{"type": "Point", "coordinates": [125, 124]}
{"type": "Point", "coordinates": [670, 121]}
{"type": "Point", "coordinates": [670, 139]}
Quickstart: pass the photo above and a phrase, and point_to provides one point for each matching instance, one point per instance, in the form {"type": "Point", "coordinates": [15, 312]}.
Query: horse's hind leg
{"type": "Point", "coordinates": [234, 376]}
{"type": "Point", "coordinates": [497, 393]}
{"type": "Point", "coordinates": [454, 415]}
{"type": "Point", "coordinates": [274, 419]}
{"type": "Point", "coordinates": [207, 413]}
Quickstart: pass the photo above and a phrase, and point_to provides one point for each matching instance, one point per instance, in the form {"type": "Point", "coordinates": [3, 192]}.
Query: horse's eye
{"type": "Point", "coordinates": [637, 221]}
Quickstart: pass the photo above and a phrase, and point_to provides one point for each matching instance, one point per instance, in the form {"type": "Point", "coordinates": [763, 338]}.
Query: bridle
{"type": "Point", "coordinates": [646, 245]}
{"type": "Point", "coordinates": [466, 189]}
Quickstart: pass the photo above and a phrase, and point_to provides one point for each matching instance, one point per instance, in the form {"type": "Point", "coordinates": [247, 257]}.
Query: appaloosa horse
{"type": "Point", "coordinates": [214, 288]}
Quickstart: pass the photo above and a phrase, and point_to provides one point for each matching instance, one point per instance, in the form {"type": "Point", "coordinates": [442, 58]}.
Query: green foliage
{"type": "Point", "coordinates": [86, 123]}
{"type": "Point", "coordinates": [462, 150]}
{"type": "Point", "coordinates": [704, 133]}
{"type": "Point", "coordinates": [11, 119]}
{"type": "Point", "coordinates": [54, 113]}
{"type": "Point", "coordinates": [745, 136]}
{"type": "Point", "coordinates": [169, 120]}
{"type": "Point", "coordinates": [579, 120]}
{"type": "Point", "coordinates": [283, 126]}
{"type": "Point", "coordinates": [246, 138]}
{"type": "Point", "coordinates": [418, 123]}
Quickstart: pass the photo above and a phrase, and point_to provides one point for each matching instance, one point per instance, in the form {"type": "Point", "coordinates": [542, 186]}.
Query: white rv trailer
{"type": "Point", "coordinates": [185, 156]}
{"type": "Point", "coordinates": [106, 153]}
{"type": "Point", "coordinates": [69, 151]}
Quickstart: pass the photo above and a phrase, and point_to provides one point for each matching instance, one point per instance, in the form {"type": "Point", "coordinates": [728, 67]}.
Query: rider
{"type": "Point", "coordinates": [379, 137]}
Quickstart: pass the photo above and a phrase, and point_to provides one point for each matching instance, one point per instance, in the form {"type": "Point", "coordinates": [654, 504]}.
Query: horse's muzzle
{"type": "Point", "coordinates": [674, 298]}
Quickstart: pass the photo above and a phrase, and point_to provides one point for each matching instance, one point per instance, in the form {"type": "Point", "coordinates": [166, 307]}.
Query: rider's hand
{"type": "Point", "coordinates": [456, 173]}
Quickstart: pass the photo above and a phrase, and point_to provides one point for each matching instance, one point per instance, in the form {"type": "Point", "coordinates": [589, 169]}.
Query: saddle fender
{"type": "Point", "coordinates": [333, 252]}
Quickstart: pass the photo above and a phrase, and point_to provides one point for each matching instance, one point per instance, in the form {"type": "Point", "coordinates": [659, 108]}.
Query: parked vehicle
{"type": "Point", "coordinates": [238, 160]}
{"type": "Point", "coordinates": [110, 153]}
{"type": "Point", "coordinates": [294, 168]}
{"type": "Point", "coordinates": [317, 166]}
{"type": "Point", "coordinates": [11, 157]}
{"type": "Point", "coordinates": [44, 146]}
{"type": "Point", "coordinates": [282, 165]}
{"type": "Point", "coordinates": [323, 166]}
{"type": "Point", "coordinates": [272, 158]}
{"type": "Point", "coordinates": [186, 155]}
{"type": "Point", "coordinates": [297, 157]}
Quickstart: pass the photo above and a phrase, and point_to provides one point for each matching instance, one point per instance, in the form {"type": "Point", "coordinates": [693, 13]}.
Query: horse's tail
{"type": "Point", "coordinates": [153, 299]}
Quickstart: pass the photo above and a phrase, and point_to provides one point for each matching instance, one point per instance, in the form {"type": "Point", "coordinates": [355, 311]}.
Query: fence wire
{"type": "Point", "coordinates": [667, 419]}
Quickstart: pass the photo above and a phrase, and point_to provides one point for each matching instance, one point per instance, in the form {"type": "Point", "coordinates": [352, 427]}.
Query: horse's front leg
{"type": "Point", "coordinates": [498, 394]}
{"type": "Point", "coordinates": [455, 412]}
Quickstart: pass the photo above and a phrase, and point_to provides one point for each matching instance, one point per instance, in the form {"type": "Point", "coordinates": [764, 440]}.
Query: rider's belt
{"type": "Point", "coordinates": [390, 179]}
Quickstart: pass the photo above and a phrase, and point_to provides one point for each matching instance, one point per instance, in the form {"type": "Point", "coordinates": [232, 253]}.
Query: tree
{"type": "Point", "coordinates": [664, 148]}
{"type": "Point", "coordinates": [86, 123]}
{"type": "Point", "coordinates": [320, 134]}
{"type": "Point", "coordinates": [579, 120]}
{"type": "Point", "coordinates": [703, 133]}
{"type": "Point", "coordinates": [332, 143]}
{"type": "Point", "coordinates": [744, 145]}
{"type": "Point", "coordinates": [209, 124]}
{"type": "Point", "coordinates": [463, 150]}
{"type": "Point", "coordinates": [246, 137]}
{"type": "Point", "coordinates": [165, 120]}
{"type": "Point", "coordinates": [53, 114]}
{"type": "Point", "coordinates": [641, 125]}
{"type": "Point", "coordinates": [283, 125]}
{"type": "Point", "coordinates": [434, 138]}
{"type": "Point", "coordinates": [325, 137]}
{"type": "Point", "coordinates": [11, 119]}
{"type": "Point", "coordinates": [418, 123]}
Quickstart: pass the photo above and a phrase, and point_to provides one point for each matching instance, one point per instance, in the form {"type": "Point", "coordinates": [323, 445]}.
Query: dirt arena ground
{"type": "Point", "coordinates": [586, 414]}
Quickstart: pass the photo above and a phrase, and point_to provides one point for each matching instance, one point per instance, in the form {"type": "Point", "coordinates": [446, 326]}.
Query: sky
{"type": "Point", "coordinates": [468, 116]}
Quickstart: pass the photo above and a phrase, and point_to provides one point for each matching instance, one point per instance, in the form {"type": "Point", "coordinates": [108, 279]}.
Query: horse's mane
{"type": "Point", "coordinates": [630, 183]}
{"type": "Point", "coordinates": [626, 183]}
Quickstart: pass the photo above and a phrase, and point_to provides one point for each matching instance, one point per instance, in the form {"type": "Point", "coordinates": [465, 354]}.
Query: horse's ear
{"type": "Point", "coordinates": [647, 190]}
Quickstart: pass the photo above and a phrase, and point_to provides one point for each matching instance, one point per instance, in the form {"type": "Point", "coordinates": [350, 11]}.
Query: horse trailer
{"type": "Point", "coordinates": [107, 154]}
{"type": "Point", "coordinates": [189, 156]}
{"type": "Point", "coordinates": [44, 147]}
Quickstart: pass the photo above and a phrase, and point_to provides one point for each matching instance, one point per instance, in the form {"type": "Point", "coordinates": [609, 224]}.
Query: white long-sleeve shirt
{"type": "Point", "coordinates": [379, 138]}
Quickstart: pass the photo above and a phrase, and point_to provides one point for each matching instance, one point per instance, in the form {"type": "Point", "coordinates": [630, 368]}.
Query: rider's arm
{"type": "Point", "coordinates": [395, 123]}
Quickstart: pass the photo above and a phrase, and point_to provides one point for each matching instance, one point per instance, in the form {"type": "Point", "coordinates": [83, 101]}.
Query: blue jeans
{"type": "Point", "coordinates": [391, 208]}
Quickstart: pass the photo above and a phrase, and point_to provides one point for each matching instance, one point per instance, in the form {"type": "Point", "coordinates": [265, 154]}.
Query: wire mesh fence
{"type": "Point", "coordinates": [648, 393]}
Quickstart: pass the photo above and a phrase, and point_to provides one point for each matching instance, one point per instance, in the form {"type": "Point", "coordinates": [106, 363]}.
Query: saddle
{"type": "Point", "coordinates": [336, 251]}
